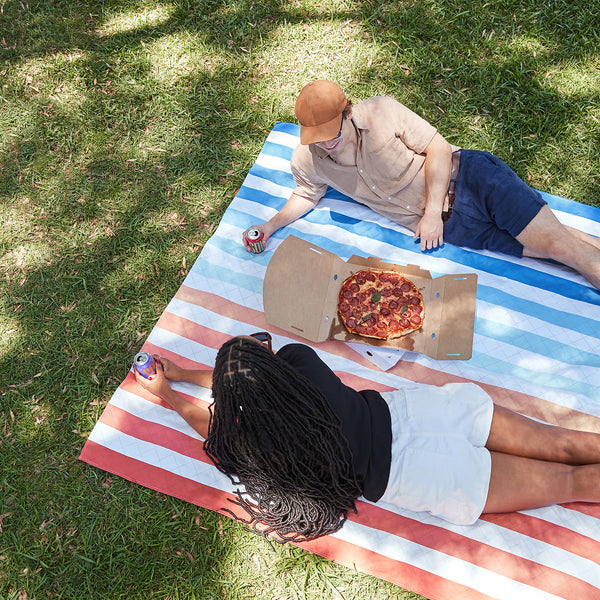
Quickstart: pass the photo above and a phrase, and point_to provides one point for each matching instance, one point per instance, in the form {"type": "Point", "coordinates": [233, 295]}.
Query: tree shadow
{"type": "Point", "coordinates": [498, 92]}
{"type": "Point", "coordinates": [110, 217]}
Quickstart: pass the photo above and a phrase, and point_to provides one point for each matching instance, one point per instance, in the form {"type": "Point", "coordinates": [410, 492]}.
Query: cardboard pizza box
{"type": "Point", "coordinates": [302, 284]}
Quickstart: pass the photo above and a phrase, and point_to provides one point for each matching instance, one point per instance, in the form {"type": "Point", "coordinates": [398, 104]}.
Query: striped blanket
{"type": "Point", "coordinates": [536, 350]}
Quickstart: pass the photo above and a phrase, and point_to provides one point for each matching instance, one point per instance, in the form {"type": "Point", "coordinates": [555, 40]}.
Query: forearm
{"type": "Point", "coordinates": [438, 166]}
{"type": "Point", "coordinates": [201, 377]}
{"type": "Point", "coordinates": [296, 207]}
{"type": "Point", "coordinates": [196, 416]}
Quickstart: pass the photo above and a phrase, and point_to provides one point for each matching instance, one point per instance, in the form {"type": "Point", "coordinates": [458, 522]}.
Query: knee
{"type": "Point", "coordinates": [569, 448]}
{"type": "Point", "coordinates": [558, 245]}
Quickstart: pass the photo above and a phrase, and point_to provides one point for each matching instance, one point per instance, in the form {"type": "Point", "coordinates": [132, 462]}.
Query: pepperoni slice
{"type": "Point", "coordinates": [351, 323]}
{"type": "Point", "coordinates": [397, 292]}
{"type": "Point", "coordinates": [393, 305]}
{"type": "Point", "coordinates": [354, 301]}
{"type": "Point", "coordinates": [347, 294]}
{"type": "Point", "coordinates": [415, 300]}
{"type": "Point", "coordinates": [416, 319]}
{"type": "Point", "coordinates": [393, 325]}
{"type": "Point", "coordinates": [361, 296]}
{"type": "Point", "coordinates": [384, 310]}
{"type": "Point", "coordinates": [344, 307]}
{"type": "Point", "coordinates": [406, 287]}
{"type": "Point", "coordinates": [387, 292]}
{"type": "Point", "coordinates": [360, 280]}
{"type": "Point", "coordinates": [370, 276]}
{"type": "Point", "coordinates": [404, 323]}
{"type": "Point", "coordinates": [354, 287]}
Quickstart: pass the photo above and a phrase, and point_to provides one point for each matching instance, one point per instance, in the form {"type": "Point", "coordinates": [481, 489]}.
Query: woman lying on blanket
{"type": "Point", "coordinates": [304, 447]}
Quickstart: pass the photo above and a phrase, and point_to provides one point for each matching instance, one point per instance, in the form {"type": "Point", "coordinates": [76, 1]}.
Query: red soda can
{"type": "Point", "coordinates": [144, 364]}
{"type": "Point", "coordinates": [254, 238]}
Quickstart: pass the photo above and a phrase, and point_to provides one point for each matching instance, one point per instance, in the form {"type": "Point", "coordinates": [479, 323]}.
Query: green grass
{"type": "Point", "coordinates": [125, 130]}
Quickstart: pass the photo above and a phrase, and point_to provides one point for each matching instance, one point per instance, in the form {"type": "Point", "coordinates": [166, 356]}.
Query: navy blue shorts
{"type": "Point", "coordinates": [492, 205]}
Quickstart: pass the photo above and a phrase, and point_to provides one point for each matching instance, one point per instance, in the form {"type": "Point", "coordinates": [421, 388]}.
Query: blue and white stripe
{"type": "Point", "coordinates": [537, 326]}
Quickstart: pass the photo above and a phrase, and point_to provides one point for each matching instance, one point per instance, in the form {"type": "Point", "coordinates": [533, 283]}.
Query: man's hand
{"type": "Point", "coordinates": [438, 166]}
{"type": "Point", "coordinates": [266, 234]}
{"type": "Point", "coordinates": [431, 231]}
{"type": "Point", "coordinates": [294, 208]}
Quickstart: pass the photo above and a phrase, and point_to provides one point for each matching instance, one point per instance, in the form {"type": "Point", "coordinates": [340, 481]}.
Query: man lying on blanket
{"type": "Point", "coordinates": [286, 430]}
{"type": "Point", "coordinates": [385, 156]}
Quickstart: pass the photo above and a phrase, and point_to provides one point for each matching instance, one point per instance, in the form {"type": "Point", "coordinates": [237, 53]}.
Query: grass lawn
{"type": "Point", "coordinates": [125, 130]}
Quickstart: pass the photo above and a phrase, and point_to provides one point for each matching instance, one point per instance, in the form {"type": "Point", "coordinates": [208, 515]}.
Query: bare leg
{"type": "Point", "coordinates": [512, 433]}
{"type": "Point", "coordinates": [590, 239]}
{"type": "Point", "coordinates": [519, 483]}
{"type": "Point", "coordinates": [547, 237]}
{"type": "Point", "coordinates": [535, 464]}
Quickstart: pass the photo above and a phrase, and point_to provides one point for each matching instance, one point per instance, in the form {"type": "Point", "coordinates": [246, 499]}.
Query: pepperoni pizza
{"type": "Point", "coordinates": [380, 304]}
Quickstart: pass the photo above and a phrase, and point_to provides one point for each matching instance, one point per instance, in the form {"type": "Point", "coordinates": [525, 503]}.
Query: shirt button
{"type": "Point", "coordinates": [361, 170]}
{"type": "Point", "coordinates": [373, 188]}
{"type": "Point", "coordinates": [389, 198]}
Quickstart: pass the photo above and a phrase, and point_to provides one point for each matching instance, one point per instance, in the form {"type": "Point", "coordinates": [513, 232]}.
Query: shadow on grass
{"type": "Point", "coordinates": [493, 85]}
{"type": "Point", "coordinates": [118, 214]}
{"type": "Point", "coordinates": [116, 232]}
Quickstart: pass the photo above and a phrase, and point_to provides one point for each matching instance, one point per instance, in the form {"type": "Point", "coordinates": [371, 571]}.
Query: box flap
{"type": "Point", "coordinates": [453, 339]}
{"type": "Point", "coordinates": [297, 286]}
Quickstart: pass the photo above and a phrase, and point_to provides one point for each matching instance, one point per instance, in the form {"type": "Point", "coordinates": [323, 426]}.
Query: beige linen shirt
{"type": "Point", "coordinates": [389, 175]}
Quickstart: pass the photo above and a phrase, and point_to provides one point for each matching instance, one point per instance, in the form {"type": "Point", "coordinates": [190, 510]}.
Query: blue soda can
{"type": "Point", "coordinates": [144, 364]}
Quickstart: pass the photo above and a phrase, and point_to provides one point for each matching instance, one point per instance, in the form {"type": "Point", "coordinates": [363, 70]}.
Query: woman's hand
{"type": "Point", "coordinates": [172, 372]}
{"type": "Point", "coordinates": [197, 416]}
{"type": "Point", "coordinates": [157, 384]}
{"type": "Point", "coordinates": [170, 369]}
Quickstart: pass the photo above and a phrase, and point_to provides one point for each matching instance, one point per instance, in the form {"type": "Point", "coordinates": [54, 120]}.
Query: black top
{"type": "Point", "coordinates": [364, 415]}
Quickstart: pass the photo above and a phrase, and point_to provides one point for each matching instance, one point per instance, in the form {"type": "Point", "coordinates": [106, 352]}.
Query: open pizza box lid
{"type": "Point", "coordinates": [302, 284]}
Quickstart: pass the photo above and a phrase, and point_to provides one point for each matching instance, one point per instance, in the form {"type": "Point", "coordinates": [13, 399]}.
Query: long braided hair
{"type": "Point", "coordinates": [272, 431]}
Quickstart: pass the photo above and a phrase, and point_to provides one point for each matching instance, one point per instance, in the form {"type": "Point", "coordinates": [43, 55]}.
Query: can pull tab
{"type": "Point", "coordinates": [254, 238]}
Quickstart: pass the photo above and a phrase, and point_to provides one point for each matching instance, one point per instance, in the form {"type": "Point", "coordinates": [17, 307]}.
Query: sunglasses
{"type": "Point", "coordinates": [340, 131]}
{"type": "Point", "coordinates": [263, 337]}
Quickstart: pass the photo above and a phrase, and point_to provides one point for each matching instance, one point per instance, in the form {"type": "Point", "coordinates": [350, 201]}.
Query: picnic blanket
{"type": "Point", "coordinates": [536, 350]}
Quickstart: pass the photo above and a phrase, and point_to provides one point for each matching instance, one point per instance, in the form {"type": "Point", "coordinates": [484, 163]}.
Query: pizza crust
{"type": "Point", "coordinates": [380, 304]}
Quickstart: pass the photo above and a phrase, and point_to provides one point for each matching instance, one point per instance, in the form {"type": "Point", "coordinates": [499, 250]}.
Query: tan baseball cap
{"type": "Point", "coordinates": [319, 108]}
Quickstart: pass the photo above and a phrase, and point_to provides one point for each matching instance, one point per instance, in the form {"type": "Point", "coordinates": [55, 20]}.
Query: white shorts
{"type": "Point", "coordinates": [439, 460]}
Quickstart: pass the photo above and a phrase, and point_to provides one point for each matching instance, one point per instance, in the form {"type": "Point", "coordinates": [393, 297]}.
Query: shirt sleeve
{"type": "Point", "coordinates": [305, 176]}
